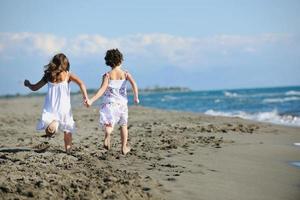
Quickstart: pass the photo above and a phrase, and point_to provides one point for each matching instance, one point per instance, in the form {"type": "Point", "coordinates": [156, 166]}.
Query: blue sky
{"type": "Point", "coordinates": [198, 44]}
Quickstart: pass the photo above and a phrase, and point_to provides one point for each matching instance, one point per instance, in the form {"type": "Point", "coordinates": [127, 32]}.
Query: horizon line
{"type": "Point", "coordinates": [186, 89]}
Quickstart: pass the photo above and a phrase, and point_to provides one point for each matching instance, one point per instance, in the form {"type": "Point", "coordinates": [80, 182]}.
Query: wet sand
{"type": "Point", "coordinates": [175, 155]}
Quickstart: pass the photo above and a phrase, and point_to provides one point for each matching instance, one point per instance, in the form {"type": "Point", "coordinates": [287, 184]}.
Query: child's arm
{"type": "Point", "coordinates": [134, 88]}
{"type": "Point", "coordinates": [35, 87]}
{"type": "Point", "coordinates": [100, 91]}
{"type": "Point", "coordinates": [80, 84]}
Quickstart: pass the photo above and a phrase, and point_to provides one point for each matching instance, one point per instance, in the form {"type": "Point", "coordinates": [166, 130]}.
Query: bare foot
{"type": "Point", "coordinates": [52, 128]}
{"type": "Point", "coordinates": [107, 143]}
{"type": "Point", "coordinates": [125, 150]}
{"type": "Point", "coordinates": [68, 149]}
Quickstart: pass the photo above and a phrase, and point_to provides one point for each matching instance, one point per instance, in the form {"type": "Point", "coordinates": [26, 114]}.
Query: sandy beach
{"type": "Point", "coordinates": [175, 155]}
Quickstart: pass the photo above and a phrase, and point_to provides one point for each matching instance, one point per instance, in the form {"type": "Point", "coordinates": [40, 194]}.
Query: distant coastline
{"type": "Point", "coordinates": [163, 89]}
{"type": "Point", "coordinates": [92, 91]}
{"type": "Point", "coordinates": [155, 89]}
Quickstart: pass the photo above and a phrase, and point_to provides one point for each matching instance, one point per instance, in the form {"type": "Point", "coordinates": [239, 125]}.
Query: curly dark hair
{"type": "Point", "coordinates": [58, 64]}
{"type": "Point", "coordinates": [113, 58]}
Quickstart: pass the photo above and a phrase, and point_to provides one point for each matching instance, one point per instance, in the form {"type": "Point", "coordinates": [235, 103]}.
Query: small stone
{"type": "Point", "coordinates": [29, 194]}
{"type": "Point", "coordinates": [110, 179]}
{"type": "Point", "coordinates": [146, 189]}
{"type": "Point", "coordinates": [171, 179]}
{"type": "Point", "coordinates": [39, 183]}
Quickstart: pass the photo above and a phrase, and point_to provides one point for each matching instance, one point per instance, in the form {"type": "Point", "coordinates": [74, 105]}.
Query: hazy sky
{"type": "Point", "coordinates": [198, 44]}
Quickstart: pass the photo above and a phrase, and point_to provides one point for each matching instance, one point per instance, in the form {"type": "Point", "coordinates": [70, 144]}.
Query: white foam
{"type": "Point", "coordinates": [296, 163]}
{"type": "Point", "coordinates": [230, 94]}
{"type": "Point", "coordinates": [169, 98]}
{"type": "Point", "coordinates": [272, 117]}
{"type": "Point", "coordinates": [219, 113]}
{"type": "Point", "coordinates": [297, 144]}
{"type": "Point", "coordinates": [292, 92]}
{"type": "Point", "coordinates": [281, 100]}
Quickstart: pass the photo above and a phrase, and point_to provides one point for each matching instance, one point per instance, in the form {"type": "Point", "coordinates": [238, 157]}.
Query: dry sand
{"type": "Point", "coordinates": [174, 155]}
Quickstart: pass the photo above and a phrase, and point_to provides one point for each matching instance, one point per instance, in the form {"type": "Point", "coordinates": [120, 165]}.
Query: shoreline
{"type": "Point", "coordinates": [76, 104]}
{"type": "Point", "coordinates": [276, 105]}
{"type": "Point", "coordinates": [175, 155]}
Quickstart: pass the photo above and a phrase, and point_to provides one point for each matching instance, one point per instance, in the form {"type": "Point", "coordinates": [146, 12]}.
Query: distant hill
{"type": "Point", "coordinates": [163, 89]}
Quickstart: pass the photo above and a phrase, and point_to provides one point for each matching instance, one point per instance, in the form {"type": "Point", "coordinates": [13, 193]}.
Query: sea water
{"type": "Point", "coordinates": [279, 105]}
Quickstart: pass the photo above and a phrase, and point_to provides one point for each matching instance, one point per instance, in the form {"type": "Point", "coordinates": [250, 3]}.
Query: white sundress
{"type": "Point", "coordinates": [57, 107]}
{"type": "Point", "coordinates": [113, 107]}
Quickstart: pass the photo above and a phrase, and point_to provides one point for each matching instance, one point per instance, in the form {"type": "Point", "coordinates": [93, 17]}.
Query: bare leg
{"type": "Point", "coordinates": [124, 136]}
{"type": "Point", "coordinates": [68, 141]}
{"type": "Point", "coordinates": [108, 130]}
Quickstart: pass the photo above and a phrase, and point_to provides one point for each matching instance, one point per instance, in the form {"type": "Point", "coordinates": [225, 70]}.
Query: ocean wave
{"type": "Point", "coordinates": [264, 94]}
{"type": "Point", "coordinates": [230, 94]}
{"type": "Point", "coordinates": [272, 117]}
{"type": "Point", "coordinates": [281, 100]}
{"type": "Point", "coordinates": [292, 92]}
{"type": "Point", "coordinates": [169, 98]}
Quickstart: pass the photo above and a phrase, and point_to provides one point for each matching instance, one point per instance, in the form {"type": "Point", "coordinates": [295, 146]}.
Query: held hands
{"type": "Point", "coordinates": [87, 102]}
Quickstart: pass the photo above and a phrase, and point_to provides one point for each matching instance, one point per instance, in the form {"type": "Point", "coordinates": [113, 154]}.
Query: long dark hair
{"type": "Point", "coordinates": [58, 64]}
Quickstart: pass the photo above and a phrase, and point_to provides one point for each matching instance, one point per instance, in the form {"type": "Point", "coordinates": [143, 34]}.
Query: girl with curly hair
{"type": "Point", "coordinates": [113, 107]}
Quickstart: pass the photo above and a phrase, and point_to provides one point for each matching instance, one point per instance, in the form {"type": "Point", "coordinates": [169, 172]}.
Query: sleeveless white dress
{"type": "Point", "coordinates": [113, 107]}
{"type": "Point", "coordinates": [57, 107]}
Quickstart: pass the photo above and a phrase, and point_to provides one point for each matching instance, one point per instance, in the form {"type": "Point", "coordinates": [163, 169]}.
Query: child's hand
{"type": "Point", "coordinates": [136, 100]}
{"type": "Point", "coordinates": [27, 83]}
{"type": "Point", "coordinates": [87, 102]}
